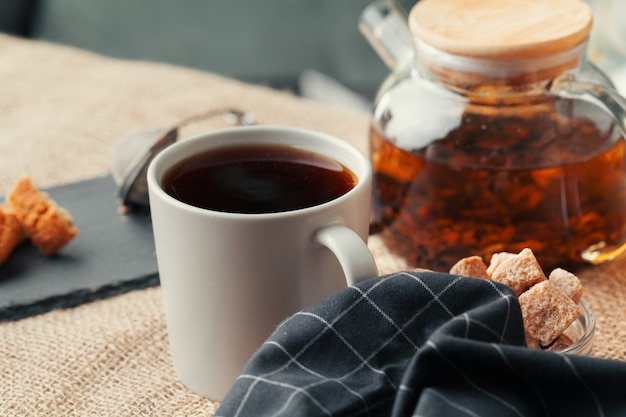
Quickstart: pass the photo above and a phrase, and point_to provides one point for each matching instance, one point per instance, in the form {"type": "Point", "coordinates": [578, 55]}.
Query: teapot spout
{"type": "Point", "coordinates": [384, 24]}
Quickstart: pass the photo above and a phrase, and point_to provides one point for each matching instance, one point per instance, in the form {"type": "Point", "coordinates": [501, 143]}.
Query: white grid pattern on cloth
{"type": "Point", "coordinates": [419, 344]}
{"type": "Point", "coordinates": [393, 321]}
{"type": "Point", "coordinates": [514, 405]}
{"type": "Point", "coordinates": [472, 384]}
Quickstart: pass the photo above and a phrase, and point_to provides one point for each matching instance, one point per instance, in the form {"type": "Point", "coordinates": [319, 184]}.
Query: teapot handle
{"type": "Point", "coordinates": [567, 86]}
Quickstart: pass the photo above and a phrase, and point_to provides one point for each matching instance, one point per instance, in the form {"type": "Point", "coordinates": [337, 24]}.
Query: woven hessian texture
{"type": "Point", "coordinates": [62, 111]}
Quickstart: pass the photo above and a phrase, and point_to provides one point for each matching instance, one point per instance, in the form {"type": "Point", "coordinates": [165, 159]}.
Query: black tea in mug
{"type": "Point", "coordinates": [257, 179]}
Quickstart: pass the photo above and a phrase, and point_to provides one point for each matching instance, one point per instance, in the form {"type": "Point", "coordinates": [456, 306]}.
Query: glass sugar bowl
{"type": "Point", "coordinates": [494, 133]}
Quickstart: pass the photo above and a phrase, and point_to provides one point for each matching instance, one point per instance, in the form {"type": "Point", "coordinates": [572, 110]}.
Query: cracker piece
{"type": "Point", "coordinates": [519, 272]}
{"type": "Point", "coordinates": [497, 259]}
{"type": "Point", "coordinates": [48, 226]}
{"type": "Point", "coordinates": [472, 266]}
{"type": "Point", "coordinates": [569, 283]}
{"type": "Point", "coordinates": [547, 312]}
{"type": "Point", "coordinates": [10, 232]}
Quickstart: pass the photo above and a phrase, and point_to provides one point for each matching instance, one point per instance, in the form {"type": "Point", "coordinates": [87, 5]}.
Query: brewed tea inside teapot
{"type": "Point", "coordinates": [494, 133]}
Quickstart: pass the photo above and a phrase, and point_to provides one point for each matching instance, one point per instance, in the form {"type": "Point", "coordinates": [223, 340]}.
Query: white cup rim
{"type": "Point", "coordinates": [357, 163]}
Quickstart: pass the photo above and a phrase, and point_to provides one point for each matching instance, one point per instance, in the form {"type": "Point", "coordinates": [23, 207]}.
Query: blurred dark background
{"type": "Point", "coordinates": [270, 42]}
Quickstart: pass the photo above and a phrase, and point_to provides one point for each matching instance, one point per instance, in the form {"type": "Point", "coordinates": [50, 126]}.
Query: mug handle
{"type": "Point", "coordinates": [353, 254]}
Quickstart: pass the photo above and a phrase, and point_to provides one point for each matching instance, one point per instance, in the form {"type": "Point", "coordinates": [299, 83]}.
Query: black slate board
{"type": "Point", "coordinates": [113, 253]}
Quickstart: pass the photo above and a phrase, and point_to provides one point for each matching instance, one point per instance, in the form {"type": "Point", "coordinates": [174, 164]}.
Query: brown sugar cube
{"type": "Point", "coordinates": [48, 226]}
{"type": "Point", "coordinates": [519, 272]}
{"type": "Point", "coordinates": [547, 312]}
{"type": "Point", "coordinates": [569, 283]}
{"type": "Point", "coordinates": [531, 342]}
{"type": "Point", "coordinates": [497, 259]}
{"type": "Point", "coordinates": [10, 232]}
{"type": "Point", "coordinates": [472, 266]}
{"type": "Point", "coordinates": [562, 342]}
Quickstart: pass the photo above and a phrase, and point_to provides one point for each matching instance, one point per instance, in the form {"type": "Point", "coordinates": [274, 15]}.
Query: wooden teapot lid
{"type": "Point", "coordinates": [501, 28]}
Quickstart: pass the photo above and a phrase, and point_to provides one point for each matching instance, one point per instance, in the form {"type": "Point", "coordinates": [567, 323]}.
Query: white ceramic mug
{"type": "Point", "coordinates": [229, 279]}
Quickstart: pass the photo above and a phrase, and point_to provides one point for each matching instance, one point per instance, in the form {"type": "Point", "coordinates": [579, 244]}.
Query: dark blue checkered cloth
{"type": "Point", "coordinates": [419, 344]}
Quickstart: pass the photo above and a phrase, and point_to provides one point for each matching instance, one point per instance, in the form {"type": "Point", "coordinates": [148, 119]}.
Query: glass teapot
{"type": "Point", "coordinates": [494, 133]}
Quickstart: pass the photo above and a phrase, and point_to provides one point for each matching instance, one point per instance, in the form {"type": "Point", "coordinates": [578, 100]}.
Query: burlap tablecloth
{"type": "Point", "coordinates": [62, 112]}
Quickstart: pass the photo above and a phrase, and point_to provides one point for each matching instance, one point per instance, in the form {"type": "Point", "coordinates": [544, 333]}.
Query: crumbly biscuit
{"type": "Point", "coordinates": [569, 283]}
{"type": "Point", "coordinates": [10, 232]}
{"type": "Point", "coordinates": [519, 272]}
{"type": "Point", "coordinates": [48, 226]}
{"type": "Point", "coordinates": [497, 259]}
{"type": "Point", "coordinates": [547, 312]}
{"type": "Point", "coordinates": [472, 266]}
